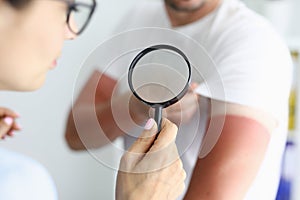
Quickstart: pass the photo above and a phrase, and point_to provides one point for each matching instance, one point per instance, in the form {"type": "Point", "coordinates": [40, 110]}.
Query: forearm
{"type": "Point", "coordinates": [92, 126]}
{"type": "Point", "coordinates": [84, 130]}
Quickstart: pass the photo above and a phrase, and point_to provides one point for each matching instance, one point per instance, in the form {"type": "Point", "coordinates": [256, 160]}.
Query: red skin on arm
{"type": "Point", "coordinates": [104, 86]}
{"type": "Point", "coordinates": [96, 96]}
{"type": "Point", "coordinates": [229, 169]}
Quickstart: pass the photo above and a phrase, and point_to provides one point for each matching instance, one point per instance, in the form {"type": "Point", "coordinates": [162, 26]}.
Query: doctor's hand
{"type": "Point", "coordinates": [151, 168]}
{"type": "Point", "coordinates": [7, 122]}
{"type": "Point", "coordinates": [185, 109]}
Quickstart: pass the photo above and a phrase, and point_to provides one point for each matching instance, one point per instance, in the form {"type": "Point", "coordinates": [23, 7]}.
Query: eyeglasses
{"type": "Point", "coordinates": [79, 14]}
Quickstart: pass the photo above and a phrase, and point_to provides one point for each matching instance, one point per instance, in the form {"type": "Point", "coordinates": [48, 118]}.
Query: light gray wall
{"type": "Point", "coordinates": [43, 114]}
{"type": "Point", "coordinates": [284, 15]}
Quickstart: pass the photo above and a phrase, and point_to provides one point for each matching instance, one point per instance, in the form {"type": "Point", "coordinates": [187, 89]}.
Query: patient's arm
{"type": "Point", "coordinates": [91, 123]}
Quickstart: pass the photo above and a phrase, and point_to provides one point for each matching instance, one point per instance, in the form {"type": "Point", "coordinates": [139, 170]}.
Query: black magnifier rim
{"type": "Point", "coordinates": [143, 53]}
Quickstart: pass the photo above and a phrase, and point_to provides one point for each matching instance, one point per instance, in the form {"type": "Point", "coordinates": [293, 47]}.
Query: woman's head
{"type": "Point", "coordinates": [32, 33]}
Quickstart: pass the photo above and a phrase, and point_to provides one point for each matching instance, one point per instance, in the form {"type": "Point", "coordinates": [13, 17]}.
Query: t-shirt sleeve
{"type": "Point", "coordinates": [253, 68]}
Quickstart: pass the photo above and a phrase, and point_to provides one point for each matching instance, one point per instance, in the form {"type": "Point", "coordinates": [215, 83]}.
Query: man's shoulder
{"type": "Point", "coordinates": [237, 27]}
{"type": "Point", "coordinates": [236, 16]}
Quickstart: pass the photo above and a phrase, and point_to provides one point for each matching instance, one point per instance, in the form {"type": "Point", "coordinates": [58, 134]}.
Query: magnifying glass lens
{"type": "Point", "coordinates": [159, 76]}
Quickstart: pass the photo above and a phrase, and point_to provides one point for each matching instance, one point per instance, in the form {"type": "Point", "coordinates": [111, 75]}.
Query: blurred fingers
{"type": "Point", "coordinates": [5, 126]}
{"type": "Point", "coordinates": [8, 112]}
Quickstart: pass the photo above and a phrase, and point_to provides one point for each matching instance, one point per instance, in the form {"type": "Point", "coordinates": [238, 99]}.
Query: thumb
{"type": "Point", "coordinates": [5, 125]}
{"type": "Point", "coordinates": [166, 136]}
{"type": "Point", "coordinates": [193, 86]}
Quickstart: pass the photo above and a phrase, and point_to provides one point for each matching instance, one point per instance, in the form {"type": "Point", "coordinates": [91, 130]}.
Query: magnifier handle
{"type": "Point", "coordinates": [157, 117]}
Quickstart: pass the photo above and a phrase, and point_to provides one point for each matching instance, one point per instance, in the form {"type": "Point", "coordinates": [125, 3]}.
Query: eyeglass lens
{"type": "Point", "coordinates": [80, 15]}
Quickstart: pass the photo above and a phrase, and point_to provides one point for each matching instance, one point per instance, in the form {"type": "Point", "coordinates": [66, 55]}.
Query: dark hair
{"type": "Point", "coordinates": [19, 4]}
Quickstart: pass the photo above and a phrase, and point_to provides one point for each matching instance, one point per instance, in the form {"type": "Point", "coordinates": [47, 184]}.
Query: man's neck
{"type": "Point", "coordinates": [180, 18]}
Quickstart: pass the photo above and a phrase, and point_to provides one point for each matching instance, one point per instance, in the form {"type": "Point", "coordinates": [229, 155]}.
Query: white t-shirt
{"type": "Point", "coordinates": [24, 178]}
{"type": "Point", "coordinates": [253, 66]}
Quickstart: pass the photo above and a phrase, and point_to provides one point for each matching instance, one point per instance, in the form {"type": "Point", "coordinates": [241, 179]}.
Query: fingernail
{"type": "Point", "coordinates": [8, 120]}
{"type": "Point", "coordinates": [149, 124]}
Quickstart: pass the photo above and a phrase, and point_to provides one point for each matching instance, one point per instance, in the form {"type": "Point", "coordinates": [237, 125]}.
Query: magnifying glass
{"type": "Point", "coordinates": [159, 76]}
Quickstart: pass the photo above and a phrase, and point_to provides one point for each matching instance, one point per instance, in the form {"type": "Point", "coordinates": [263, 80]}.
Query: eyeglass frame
{"type": "Point", "coordinates": [72, 7]}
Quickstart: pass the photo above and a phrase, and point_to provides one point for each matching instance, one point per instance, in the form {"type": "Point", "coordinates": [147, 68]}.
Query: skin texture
{"type": "Point", "coordinates": [228, 170]}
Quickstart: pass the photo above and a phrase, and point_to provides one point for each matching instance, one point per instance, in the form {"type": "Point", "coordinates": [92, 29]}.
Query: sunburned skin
{"type": "Point", "coordinates": [241, 146]}
{"type": "Point", "coordinates": [104, 86]}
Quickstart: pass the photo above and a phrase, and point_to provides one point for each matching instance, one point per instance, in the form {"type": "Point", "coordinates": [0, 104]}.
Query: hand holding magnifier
{"type": "Point", "coordinates": [159, 76]}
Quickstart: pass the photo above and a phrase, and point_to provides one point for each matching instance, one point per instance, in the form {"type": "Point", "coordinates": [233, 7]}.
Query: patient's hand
{"type": "Point", "coordinates": [185, 109]}
{"type": "Point", "coordinates": [152, 169]}
{"type": "Point", "coordinates": [7, 122]}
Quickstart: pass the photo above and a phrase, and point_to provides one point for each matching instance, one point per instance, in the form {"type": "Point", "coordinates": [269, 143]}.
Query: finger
{"type": "Point", "coordinates": [145, 140]}
{"type": "Point", "coordinates": [162, 151]}
{"type": "Point", "coordinates": [8, 112]}
{"type": "Point", "coordinates": [174, 117]}
{"type": "Point", "coordinates": [193, 86]}
{"type": "Point", "coordinates": [16, 126]}
{"type": "Point", "coordinates": [175, 107]}
{"type": "Point", "coordinates": [5, 125]}
{"type": "Point", "coordinates": [11, 133]}
{"type": "Point", "coordinates": [192, 89]}
{"type": "Point", "coordinates": [139, 148]}
{"type": "Point", "coordinates": [167, 135]}
{"type": "Point", "coordinates": [189, 99]}
{"type": "Point", "coordinates": [187, 113]}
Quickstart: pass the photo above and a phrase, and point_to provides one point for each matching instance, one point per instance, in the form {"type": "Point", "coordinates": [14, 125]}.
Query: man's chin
{"type": "Point", "coordinates": [185, 5]}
